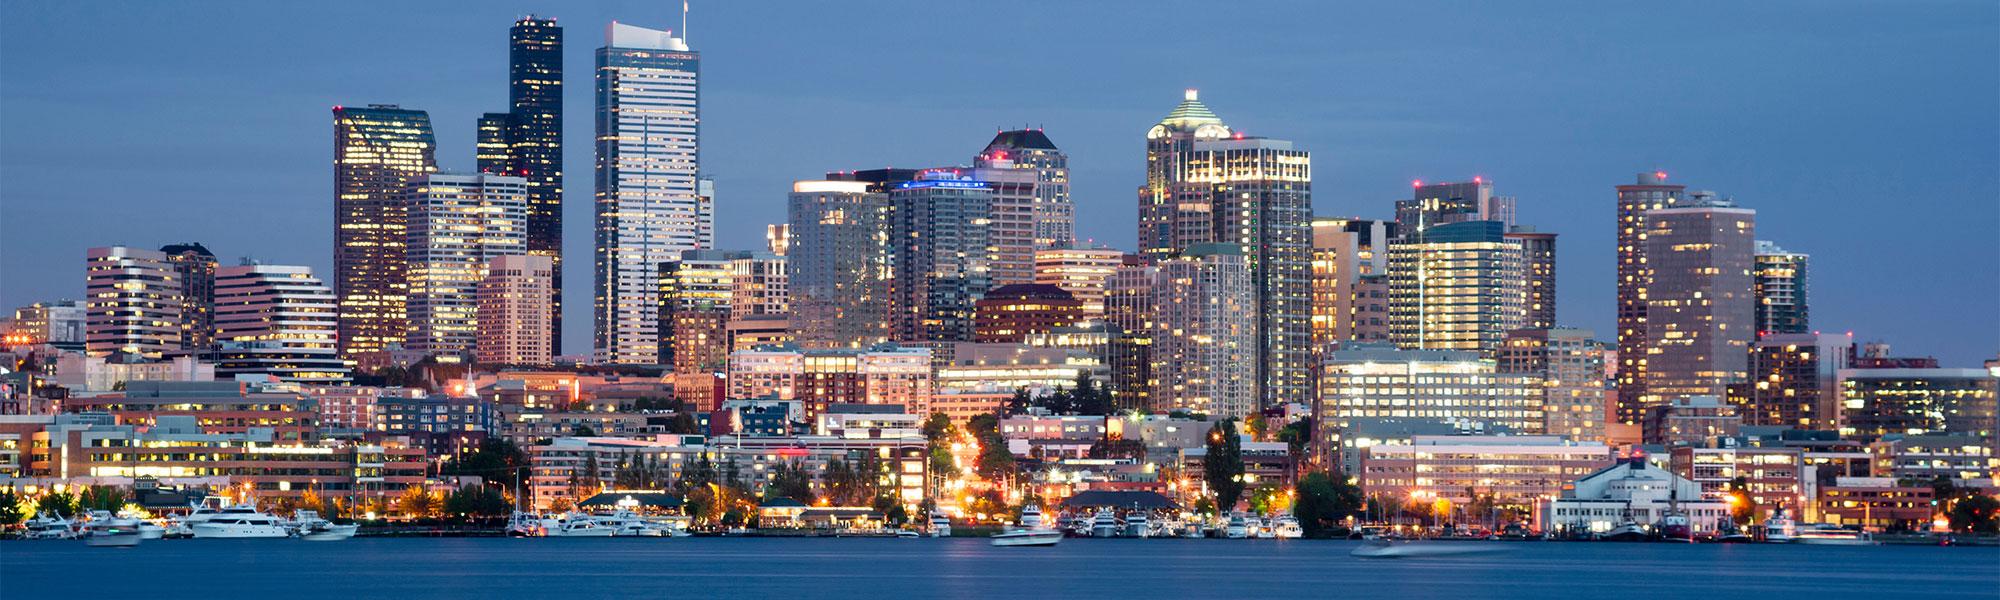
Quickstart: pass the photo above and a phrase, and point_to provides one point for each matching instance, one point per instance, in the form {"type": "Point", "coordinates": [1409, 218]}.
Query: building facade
{"type": "Point", "coordinates": [1083, 272]}
{"type": "Point", "coordinates": [1204, 334]}
{"type": "Point", "coordinates": [194, 268]}
{"type": "Point", "coordinates": [457, 225]}
{"type": "Point", "coordinates": [1571, 366]}
{"type": "Point", "coordinates": [276, 320]}
{"type": "Point", "coordinates": [1650, 191]}
{"type": "Point", "coordinates": [1030, 149]}
{"type": "Point", "coordinates": [1699, 305]}
{"type": "Point", "coordinates": [377, 151]}
{"type": "Point", "coordinates": [1457, 286]}
{"type": "Point", "coordinates": [513, 311]}
{"type": "Point", "coordinates": [1795, 380]}
{"type": "Point", "coordinates": [133, 302]}
{"type": "Point", "coordinates": [942, 256]}
{"type": "Point", "coordinates": [1781, 290]}
{"type": "Point", "coordinates": [839, 263]}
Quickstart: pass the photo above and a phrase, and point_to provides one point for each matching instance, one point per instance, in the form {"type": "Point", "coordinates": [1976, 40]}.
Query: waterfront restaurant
{"type": "Point", "coordinates": [1631, 492]}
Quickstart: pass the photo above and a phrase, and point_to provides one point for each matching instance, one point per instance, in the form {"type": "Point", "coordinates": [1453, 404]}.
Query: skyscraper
{"type": "Point", "coordinates": [276, 320]}
{"type": "Point", "coordinates": [194, 267]}
{"type": "Point", "coordinates": [1651, 191]}
{"type": "Point", "coordinates": [1083, 272]}
{"type": "Point", "coordinates": [1699, 308]}
{"type": "Point", "coordinates": [943, 256]}
{"type": "Point", "coordinates": [1433, 204]}
{"type": "Point", "coordinates": [1781, 290]}
{"type": "Point", "coordinates": [1795, 380]}
{"type": "Point", "coordinates": [1030, 149]}
{"type": "Point", "coordinates": [1012, 198]}
{"type": "Point", "coordinates": [514, 311]}
{"type": "Point", "coordinates": [1205, 185]}
{"type": "Point", "coordinates": [490, 146]}
{"type": "Point", "coordinates": [1456, 286]}
{"type": "Point", "coordinates": [651, 202]}
{"type": "Point", "coordinates": [534, 143]}
{"type": "Point", "coordinates": [1205, 333]}
{"type": "Point", "coordinates": [839, 263]}
{"type": "Point", "coordinates": [1344, 252]}
{"type": "Point", "coordinates": [457, 225]}
{"type": "Point", "coordinates": [1128, 306]}
{"type": "Point", "coordinates": [133, 301]}
{"type": "Point", "coordinates": [1538, 276]}
{"type": "Point", "coordinates": [376, 152]}
{"type": "Point", "coordinates": [1571, 367]}
{"type": "Point", "coordinates": [697, 281]}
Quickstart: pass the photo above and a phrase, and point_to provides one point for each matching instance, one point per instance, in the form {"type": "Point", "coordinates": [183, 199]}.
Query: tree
{"type": "Point", "coordinates": [1324, 500]}
{"type": "Point", "coordinates": [497, 460]}
{"type": "Point", "coordinates": [101, 497]}
{"type": "Point", "coordinates": [416, 503]}
{"type": "Point", "coordinates": [697, 474]}
{"type": "Point", "coordinates": [1222, 467]}
{"type": "Point", "coordinates": [1742, 510]}
{"type": "Point", "coordinates": [1976, 513]}
{"type": "Point", "coordinates": [476, 501]}
{"type": "Point", "coordinates": [10, 509]}
{"type": "Point", "coordinates": [995, 462]}
{"type": "Point", "coordinates": [1018, 403]}
{"type": "Point", "coordinates": [1297, 436]}
{"type": "Point", "coordinates": [1110, 447]}
{"type": "Point", "coordinates": [789, 480]}
{"type": "Point", "coordinates": [683, 424]}
{"type": "Point", "coordinates": [56, 504]}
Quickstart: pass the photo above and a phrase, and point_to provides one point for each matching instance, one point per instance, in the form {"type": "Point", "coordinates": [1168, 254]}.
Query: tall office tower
{"type": "Point", "coordinates": [1175, 210]}
{"type": "Point", "coordinates": [133, 301]}
{"type": "Point", "coordinates": [457, 225]}
{"type": "Point", "coordinates": [943, 257]}
{"type": "Point", "coordinates": [1781, 290]}
{"type": "Point", "coordinates": [1010, 223]}
{"type": "Point", "coordinates": [697, 281]}
{"type": "Point", "coordinates": [1344, 251]}
{"type": "Point", "coordinates": [1571, 367]}
{"type": "Point", "coordinates": [1204, 186]}
{"type": "Point", "coordinates": [651, 204]}
{"type": "Point", "coordinates": [534, 143]}
{"type": "Point", "coordinates": [513, 302]}
{"type": "Point", "coordinates": [1205, 333]}
{"type": "Point", "coordinates": [194, 267]}
{"type": "Point", "coordinates": [1030, 149]}
{"type": "Point", "coordinates": [759, 286]}
{"type": "Point", "coordinates": [376, 152]}
{"type": "Point", "coordinates": [1083, 272]}
{"type": "Point", "coordinates": [839, 264]}
{"type": "Point", "coordinates": [1128, 305]}
{"type": "Point", "coordinates": [1456, 286]}
{"type": "Point", "coordinates": [1435, 204]}
{"type": "Point", "coordinates": [1700, 311]}
{"type": "Point", "coordinates": [1651, 191]}
{"type": "Point", "coordinates": [1370, 300]}
{"type": "Point", "coordinates": [1538, 283]}
{"type": "Point", "coordinates": [276, 320]}
{"type": "Point", "coordinates": [778, 237]}
{"type": "Point", "coordinates": [1795, 380]}
{"type": "Point", "coordinates": [490, 147]}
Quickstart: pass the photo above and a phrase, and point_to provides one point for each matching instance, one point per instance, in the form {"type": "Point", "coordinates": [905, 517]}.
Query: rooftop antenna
{"type": "Point", "coordinates": [684, 21]}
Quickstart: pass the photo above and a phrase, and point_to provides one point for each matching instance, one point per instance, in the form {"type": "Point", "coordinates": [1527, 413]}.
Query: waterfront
{"type": "Point", "coordinates": [969, 568]}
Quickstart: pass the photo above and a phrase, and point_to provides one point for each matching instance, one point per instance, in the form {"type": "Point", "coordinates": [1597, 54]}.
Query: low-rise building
{"type": "Point", "coordinates": [1514, 470]}
{"type": "Point", "coordinates": [1772, 476]}
{"type": "Point", "coordinates": [1876, 504]}
{"type": "Point", "coordinates": [562, 470]}
{"type": "Point", "coordinates": [1968, 460]}
{"type": "Point", "coordinates": [1633, 492]}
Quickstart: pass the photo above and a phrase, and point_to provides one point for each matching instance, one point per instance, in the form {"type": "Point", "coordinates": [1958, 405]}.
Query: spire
{"type": "Point", "coordinates": [1191, 114]}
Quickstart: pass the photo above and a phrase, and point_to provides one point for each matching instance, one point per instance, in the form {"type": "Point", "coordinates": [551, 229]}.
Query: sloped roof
{"type": "Point", "coordinates": [1029, 139]}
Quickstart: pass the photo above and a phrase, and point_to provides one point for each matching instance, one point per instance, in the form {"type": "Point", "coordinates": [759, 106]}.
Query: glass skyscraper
{"type": "Point", "coordinates": [377, 150]}
{"type": "Point", "coordinates": [534, 142]}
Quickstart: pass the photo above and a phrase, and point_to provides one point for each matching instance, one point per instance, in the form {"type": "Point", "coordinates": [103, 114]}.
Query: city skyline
{"type": "Point", "coordinates": [760, 138]}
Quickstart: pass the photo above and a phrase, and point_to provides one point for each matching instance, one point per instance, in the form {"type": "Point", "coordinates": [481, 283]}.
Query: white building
{"type": "Point", "coordinates": [1635, 492]}
{"type": "Point", "coordinates": [1204, 353]}
{"type": "Point", "coordinates": [457, 225]}
{"type": "Point", "coordinates": [514, 312]}
{"type": "Point", "coordinates": [276, 320]}
{"type": "Point", "coordinates": [133, 302]}
{"type": "Point", "coordinates": [651, 200]}
{"type": "Point", "coordinates": [1378, 381]}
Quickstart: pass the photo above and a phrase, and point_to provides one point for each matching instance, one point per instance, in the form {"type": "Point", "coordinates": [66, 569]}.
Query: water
{"type": "Point", "coordinates": [409, 569]}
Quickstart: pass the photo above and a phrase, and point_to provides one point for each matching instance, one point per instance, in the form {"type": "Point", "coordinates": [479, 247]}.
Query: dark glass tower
{"type": "Point", "coordinates": [534, 141]}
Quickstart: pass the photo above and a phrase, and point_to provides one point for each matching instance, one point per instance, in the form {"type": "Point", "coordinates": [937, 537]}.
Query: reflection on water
{"type": "Point", "coordinates": [969, 568]}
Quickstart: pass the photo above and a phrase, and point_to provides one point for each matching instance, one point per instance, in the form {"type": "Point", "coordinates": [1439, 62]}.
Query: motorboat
{"type": "Point", "coordinates": [940, 525]}
{"type": "Point", "coordinates": [1387, 548]}
{"type": "Point", "coordinates": [1259, 528]}
{"type": "Point", "coordinates": [1517, 532]}
{"type": "Point", "coordinates": [1779, 529]}
{"type": "Point", "coordinates": [112, 532]}
{"type": "Point", "coordinates": [1674, 527]}
{"type": "Point", "coordinates": [1137, 525]}
{"type": "Point", "coordinates": [209, 509]}
{"type": "Point", "coordinates": [1031, 517]}
{"type": "Point", "coordinates": [49, 528]}
{"type": "Point", "coordinates": [1028, 537]}
{"type": "Point", "coordinates": [907, 534]}
{"type": "Point", "coordinates": [581, 525]}
{"type": "Point", "coordinates": [1824, 534]}
{"type": "Point", "coordinates": [1238, 527]}
{"type": "Point", "coordinates": [308, 525]}
{"type": "Point", "coordinates": [527, 524]}
{"type": "Point", "coordinates": [1727, 532]}
{"type": "Point", "coordinates": [1629, 531]}
{"type": "Point", "coordinates": [1287, 527]}
{"type": "Point", "coordinates": [1104, 524]}
{"type": "Point", "coordinates": [252, 524]}
{"type": "Point", "coordinates": [1079, 526]}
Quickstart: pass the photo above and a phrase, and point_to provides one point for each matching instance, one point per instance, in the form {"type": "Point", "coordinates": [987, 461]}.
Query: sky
{"type": "Point", "coordinates": [1866, 134]}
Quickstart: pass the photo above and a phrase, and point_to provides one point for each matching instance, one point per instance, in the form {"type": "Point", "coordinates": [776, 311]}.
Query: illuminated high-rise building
{"type": "Point", "coordinates": [1204, 337]}
{"type": "Point", "coordinates": [1083, 272]}
{"type": "Point", "coordinates": [1054, 216]}
{"type": "Point", "coordinates": [1456, 286]}
{"type": "Point", "coordinates": [195, 267]}
{"type": "Point", "coordinates": [1345, 252]}
{"type": "Point", "coordinates": [1206, 184]}
{"type": "Point", "coordinates": [376, 152]}
{"type": "Point", "coordinates": [133, 302]}
{"type": "Point", "coordinates": [1781, 290]}
{"type": "Point", "coordinates": [457, 225]}
{"type": "Point", "coordinates": [1571, 368]}
{"type": "Point", "coordinates": [760, 285]}
{"type": "Point", "coordinates": [1538, 276]}
{"type": "Point", "coordinates": [514, 311]}
{"type": "Point", "coordinates": [839, 264]}
{"type": "Point", "coordinates": [1795, 380]}
{"type": "Point", "coordinates": [276, 320]}
{"type": "Point", "coordinates": [490, 147]}
{"type": "Point", "coordinates": [652, 203]}
{"type": "Point", "coordinates": [1128, 306]}
{"type": "Point", "coordinates": [1651, 191]}
{"type": "Point", "coordinates": [1012, 197]}
{"type": "Point", "coordinates": [1433, 204]}
{"type": "Point", "coordinates": [534, 143]}
{"type": "Point", "coordinates": [938, 235]}
{"type": "Point", "coordinates": [697, 281]}
{"type": "Point", "coordinates": [1700, 309]}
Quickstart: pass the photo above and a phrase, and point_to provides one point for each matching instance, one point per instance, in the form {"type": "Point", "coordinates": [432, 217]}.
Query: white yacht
{"type": "Point", "coordinates": [1028, 537]}
{"type": "Point", "coordinates": [1286, 527]}
{"type": "Point", "coordinates": [114, 532]}
{"type": "Point", "coordinates": [940, 525]}
{"type": "Point", "coordinates": [251, 524]}
{"type": "Point", "coordinates": [1259, 528]}
{"type": "Point", "coordinates": [1779, 530]}
{"type": "Point", "coordinates": [1031, 517]}
{"type": "Point", "coordinates": [1826, 534]}
{"type": "Point", "coordinates": [1238, 527]}
{"type": "Point", "coordinates": [49, 528]}
{"type": "Point", "coordinates": [1137, 525]}
{"type": "Point", "coordinates": [582, 525]}
{"type": "Point", "coordinates": [308, 525]}
{"type": "Point", "coordinates": [527, 524]}
{"type": "Point", "coordinates": [210, 508]}
{"type": "Point", "coordinates": [1104, 524]}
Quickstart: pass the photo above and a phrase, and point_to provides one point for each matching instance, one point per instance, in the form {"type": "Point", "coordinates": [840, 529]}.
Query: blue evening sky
{"type": "Point", "coordinates": [1865, 133]}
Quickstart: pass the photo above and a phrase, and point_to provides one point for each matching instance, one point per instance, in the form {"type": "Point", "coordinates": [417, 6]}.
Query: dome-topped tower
{"type": "Point", "coordinates": [1191, 116]}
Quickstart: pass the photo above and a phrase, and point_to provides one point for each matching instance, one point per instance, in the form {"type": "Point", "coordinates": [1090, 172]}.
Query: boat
{"type": "Point", "coordinates": [1031, 517]}
{"type": "Point", "coordinates": [308, 525]}
{"type": "Point", "coordinates": [1105, 524]}
{"type": "Point", "coordinates": [1825, 534]}
{"type": "Point", "coordinates": [1238, 527]}
{"type": "Point", "coordinates": [1515, 532]}
{"type": "Point", "coordinates": [1779, 529]}
{"type": "Point", "coordinates": [1387, 548]}
{"type": "Point", "coordinates": [526, 524]}
{"type": "Point", "coordinates": [1287, 527]}
{"type": "Point", "coordinates": [582, 525]}
{"type": "Point", "coordinates": [1137, 525]}
{"type": "Point", "coordinates": [1028, 537]}
{"type": "Point", "coordinates": [907, 534]}
{"type": "Point", "coordinates": [1260, 528]}
{"type": "Point", "coordinates": [940, 525]}
{"type": "Point", "coordinates": [1629, 531]}
{"type": "Point", "coordinates": [112, 532]}
{"type": "Point", "coordinates": [1674, 527]}
{"type": "Point", "coordinates": [49, 528]}
{"type": "Point", "coordinates": [238, 524]}
{"type": "Point", "coordinates": [1726, 532]}
{"type": "Point", "coordinates": [210, 508]}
